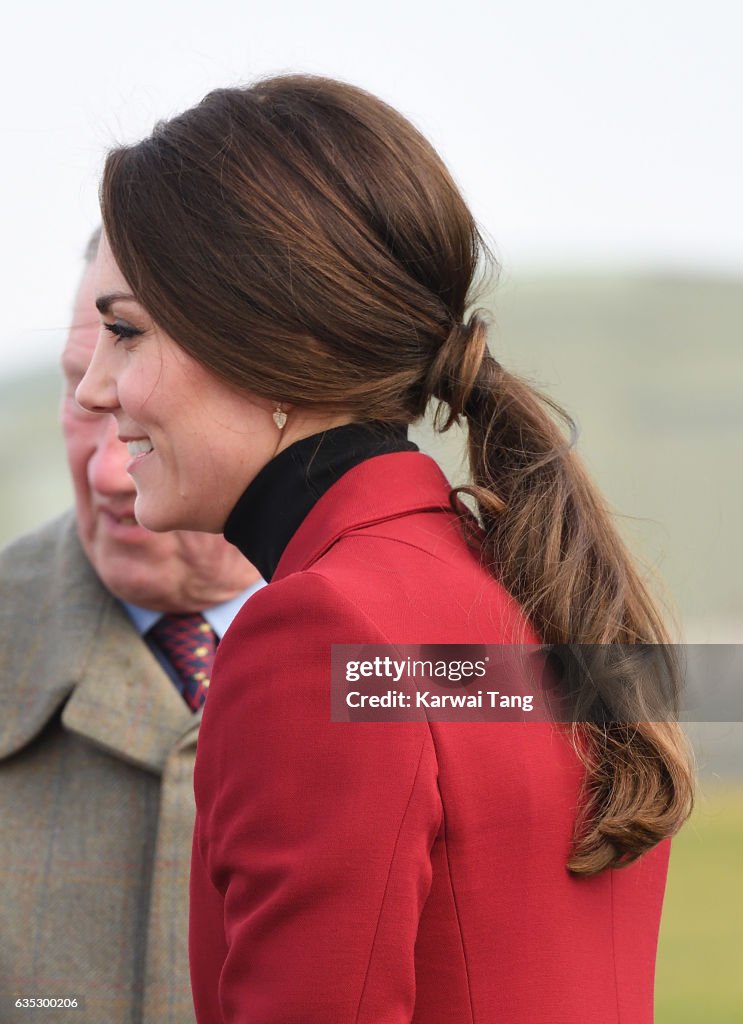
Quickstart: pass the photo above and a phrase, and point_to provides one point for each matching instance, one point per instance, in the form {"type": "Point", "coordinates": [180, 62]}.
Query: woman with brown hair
{"type": "Point", "coordinates": [283, 285]}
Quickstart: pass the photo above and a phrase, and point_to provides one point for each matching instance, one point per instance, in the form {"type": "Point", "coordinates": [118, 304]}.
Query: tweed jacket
{"type": "Point", "coordinates": [96, 799]}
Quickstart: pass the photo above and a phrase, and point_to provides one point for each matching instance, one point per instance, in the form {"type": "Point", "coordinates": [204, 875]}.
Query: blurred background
{"type": "Point", "coordinates": [597, 148]}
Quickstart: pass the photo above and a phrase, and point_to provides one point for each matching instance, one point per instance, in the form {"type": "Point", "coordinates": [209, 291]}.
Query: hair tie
{"type": "Point", "coordinates": [457, 365]}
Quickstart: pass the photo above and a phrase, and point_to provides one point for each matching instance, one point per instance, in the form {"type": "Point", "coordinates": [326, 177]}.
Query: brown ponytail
{"type": "Point", "coordinates": [550, 540]}
{"type": "Point", "coordinates": [304, 242]}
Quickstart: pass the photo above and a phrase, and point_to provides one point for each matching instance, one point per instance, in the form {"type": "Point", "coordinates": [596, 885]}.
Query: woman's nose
{"type": "Point", "coordinates": [96, 392]}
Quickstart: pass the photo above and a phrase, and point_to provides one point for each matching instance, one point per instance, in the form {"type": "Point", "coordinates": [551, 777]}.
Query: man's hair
{"type": "Point", "coordinates": [91, 249]}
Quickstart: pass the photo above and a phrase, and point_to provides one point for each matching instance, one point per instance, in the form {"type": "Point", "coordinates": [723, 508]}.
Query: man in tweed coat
{"type": "Point", "coordinates": [97, 745]}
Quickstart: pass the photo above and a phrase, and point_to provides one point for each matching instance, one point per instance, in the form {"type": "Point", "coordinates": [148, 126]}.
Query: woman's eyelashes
{"type": "Point", "coordinates": [121, 329]}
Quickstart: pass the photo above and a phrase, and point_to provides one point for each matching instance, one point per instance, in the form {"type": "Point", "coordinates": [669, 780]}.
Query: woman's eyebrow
{"type": "Point", "coordinates": [104, 302]}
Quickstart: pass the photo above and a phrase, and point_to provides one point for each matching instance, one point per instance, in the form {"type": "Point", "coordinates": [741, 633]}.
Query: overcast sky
{"type": "Point", "coordinates": [584, 135]}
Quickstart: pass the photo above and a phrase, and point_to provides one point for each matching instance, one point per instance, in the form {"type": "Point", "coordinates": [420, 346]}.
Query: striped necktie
{"type": "Point", "coordinates": [189, 644]}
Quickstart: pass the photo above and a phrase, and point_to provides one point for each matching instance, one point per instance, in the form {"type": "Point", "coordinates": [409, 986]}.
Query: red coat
{"type": "Point", "coordinates": [381, 873]}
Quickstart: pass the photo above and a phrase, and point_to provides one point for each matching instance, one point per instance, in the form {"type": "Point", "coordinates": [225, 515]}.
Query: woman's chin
{"type": "Point", "coordinates": [156, 518]}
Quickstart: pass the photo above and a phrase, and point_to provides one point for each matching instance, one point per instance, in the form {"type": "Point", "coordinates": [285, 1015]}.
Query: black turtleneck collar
{"type": "Point", "coordinates": [274, 504]}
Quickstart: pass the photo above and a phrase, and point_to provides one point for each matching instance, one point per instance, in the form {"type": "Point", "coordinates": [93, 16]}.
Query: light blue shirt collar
{"type": "Point", "coordinates": [219, 616]}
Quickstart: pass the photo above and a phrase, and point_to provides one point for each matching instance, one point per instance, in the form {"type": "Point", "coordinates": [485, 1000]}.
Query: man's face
{"type": "Point", "coordinates": [179, 571]}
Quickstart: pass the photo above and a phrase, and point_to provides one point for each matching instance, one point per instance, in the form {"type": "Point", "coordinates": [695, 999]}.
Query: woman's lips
{"type": "Point", "coordinates": [139, 448]}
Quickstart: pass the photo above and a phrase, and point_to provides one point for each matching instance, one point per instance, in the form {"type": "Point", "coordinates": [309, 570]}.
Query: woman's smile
{"type": "Point", "coordinates": [142, 446]}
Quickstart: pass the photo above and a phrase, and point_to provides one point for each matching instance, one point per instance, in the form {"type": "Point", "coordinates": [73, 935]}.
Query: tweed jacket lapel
{"type": "Point", "coordinates": [142, 717]}
{"type": "Point", "coordinates": [139, 719]}
{"type": "Point", "coordinates": [37, 676]}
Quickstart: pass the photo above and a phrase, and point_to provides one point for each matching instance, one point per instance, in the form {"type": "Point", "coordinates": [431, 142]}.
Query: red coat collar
{"type": "Point", "coordinates": [384, 487]}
